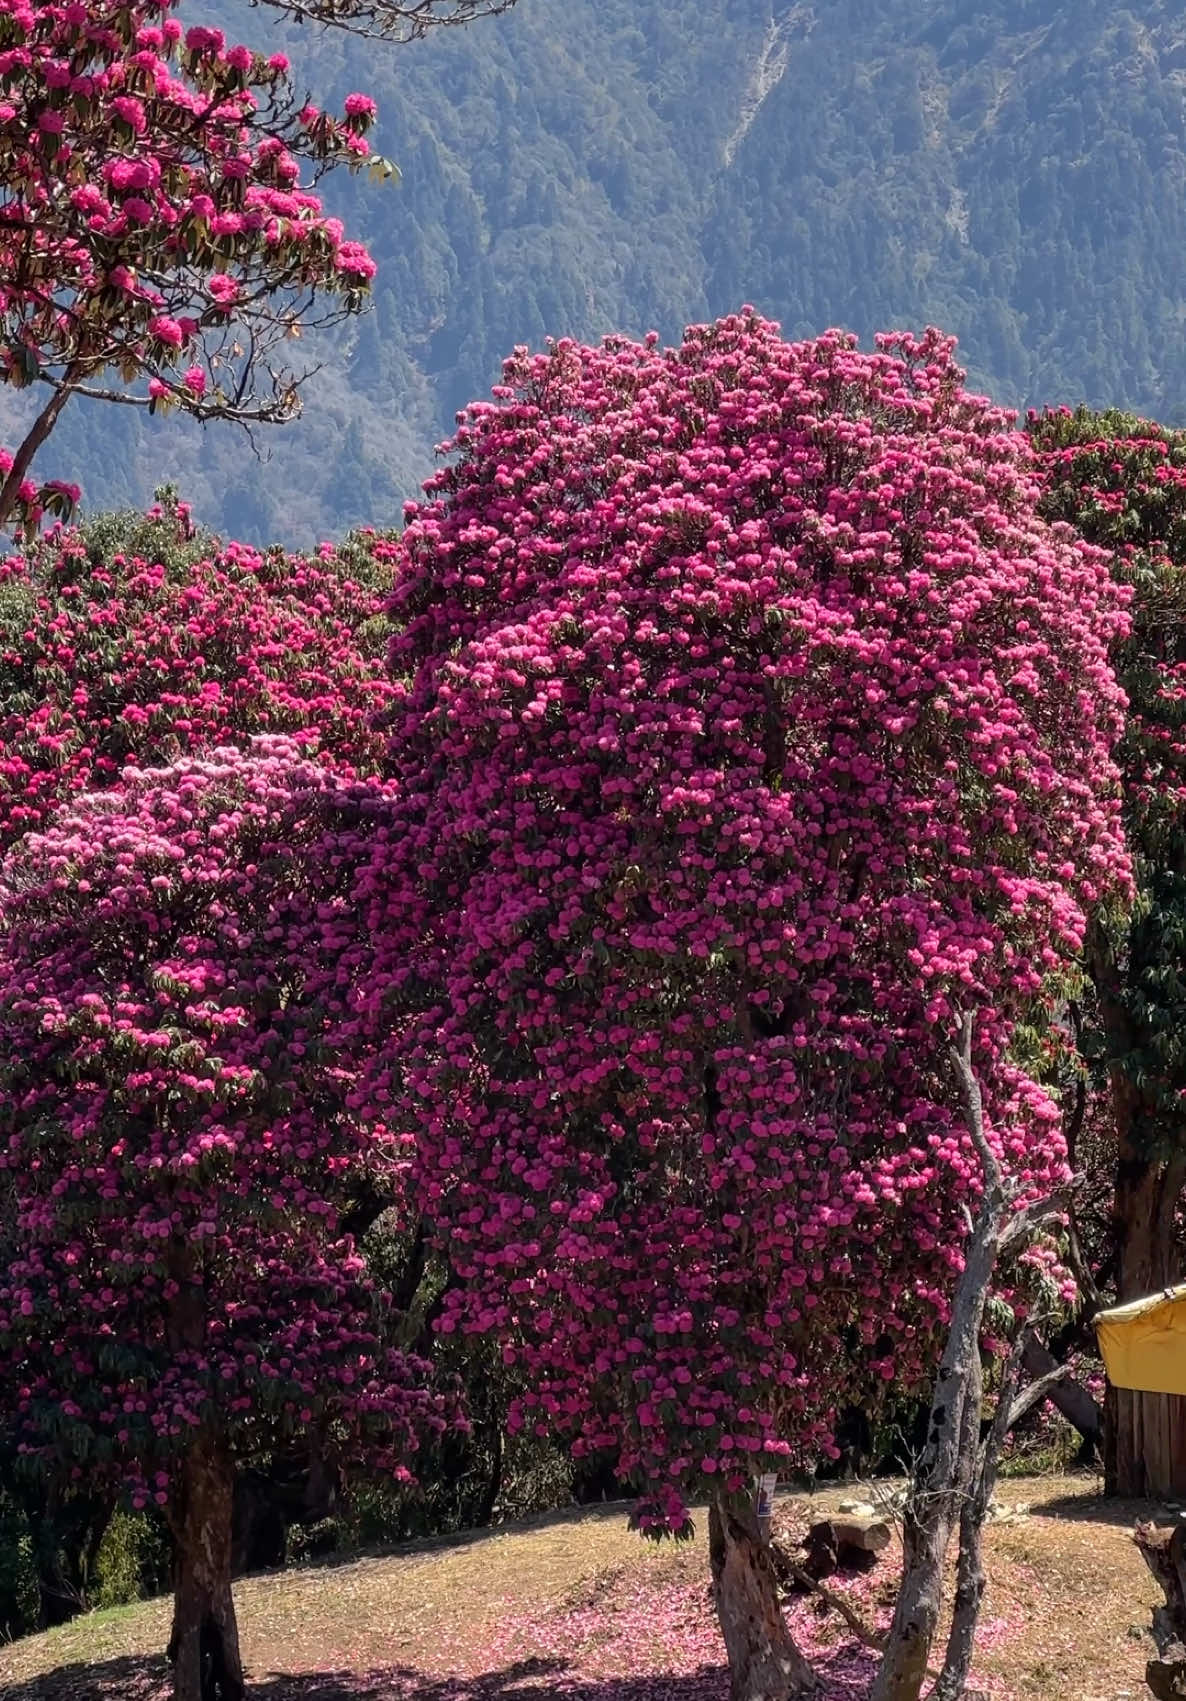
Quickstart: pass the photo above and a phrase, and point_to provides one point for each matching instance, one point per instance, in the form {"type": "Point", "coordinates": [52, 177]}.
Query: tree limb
{"type": "Point", "coordinates": [38, 432]}
{"type": "Point", "coordinates": [1035, 1393]}
{"type": "Point", "coordinates": [864, 1632]}
{"type": "Point", "coordinates": [1033, 1216]}
{"type": "Point", "coordinates": [973, 1103]}
{"type": "Point", "coordinates": [388, 20]}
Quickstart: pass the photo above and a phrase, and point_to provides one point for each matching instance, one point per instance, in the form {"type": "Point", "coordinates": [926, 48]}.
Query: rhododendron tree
{"type": "Point", "coordinates": [1122, 482]}
{"type": "Point", "coordinates": [176, 1136]}
{"type": "Point", "coordinates": [137, 639]}
{"type": "Point", "coordinates": [160, 241]}
{"type": "Point", "coordinates": [752, 731]}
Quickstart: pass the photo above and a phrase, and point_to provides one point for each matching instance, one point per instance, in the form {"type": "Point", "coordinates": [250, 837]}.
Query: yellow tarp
{"type": "Point", "coordinates": [1144, 1342]}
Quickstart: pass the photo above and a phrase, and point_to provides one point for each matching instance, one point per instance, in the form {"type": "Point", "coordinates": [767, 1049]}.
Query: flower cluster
{"type": "Point", "coordinates": [751, 725]}
{"type": "Point", "coordinates": [155, 221]}
{"type": "Point", "coordinates": [145, 642]}
{"type": "Point", "coordinates": [175, 1140]}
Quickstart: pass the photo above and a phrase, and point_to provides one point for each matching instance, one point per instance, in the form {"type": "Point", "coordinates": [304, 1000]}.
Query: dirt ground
{"type": "Point", "coordinates": [577, 1605]}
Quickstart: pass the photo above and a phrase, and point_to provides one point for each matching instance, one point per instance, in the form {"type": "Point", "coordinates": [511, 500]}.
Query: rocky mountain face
{"type": "Point", "coordinates": [1013, 170]}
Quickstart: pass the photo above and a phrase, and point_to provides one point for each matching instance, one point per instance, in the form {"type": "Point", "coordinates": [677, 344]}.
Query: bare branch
{"type": "Point", "coordinates": [970, 1577]}
{"type": "Point", "coordinates": [1079, 1267]}
{"type": "Point", "coordinates": [1036, 1393]}
{"type": "Point", "coordinates": [1036, 1215]}
{"type": "Point", "coordinates": [864, 1632]}
{"type": "Point", "coordinates": [973, 1103]}
{"type": "Point", "coordinates": [398, 21]}
{"type": "Point", "coordinates": [1074, 1126]}
{"type": "Point", "coordinates": [260, 413]}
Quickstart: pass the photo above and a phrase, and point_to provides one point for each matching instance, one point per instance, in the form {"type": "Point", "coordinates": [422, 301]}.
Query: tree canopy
{"type": "Point", "coordinates": [752, 730]}
{"type": "Point", "coordinates": [137, 639]}
{"type": "Point", "coordinates": [1121, 481]}
{"type": "Point", "coordinates": [177, 1143]}
{"type": "Point", "coordinates": [160, 241]}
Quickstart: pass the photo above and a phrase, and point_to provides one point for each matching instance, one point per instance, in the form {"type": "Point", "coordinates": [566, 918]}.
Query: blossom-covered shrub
{"type": "Point", "coordinates": [176, 1143]}
{"type": "Point", "coordinates": [136, 639]}
{"type": "Point", "coordinates": [160, 239]}
{"type": "Point", "coordinates": [751, 726]}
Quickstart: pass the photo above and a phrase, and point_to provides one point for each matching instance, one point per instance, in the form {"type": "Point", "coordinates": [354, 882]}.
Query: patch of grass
{"type": "Point", "coordinates": [437, 1621]}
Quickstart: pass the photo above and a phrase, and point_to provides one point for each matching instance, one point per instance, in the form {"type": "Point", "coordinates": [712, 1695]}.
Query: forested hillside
{"type": "Point", "coordinates": [1013, 170]}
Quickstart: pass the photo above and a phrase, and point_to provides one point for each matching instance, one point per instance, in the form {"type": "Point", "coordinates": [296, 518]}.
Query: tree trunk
{"type": "Point", "coordinates": [1145, 1434]}
{"type": "Point", "coordinates": [57, 1601]}
{"type": "Point", "coordinates": [941, 1488]}
{"type": "Point", "coordinates": [970, 1581]}
{"type": "Point", "coordinates": [904, 1664]}
{"type": "Point", "coordinates": [1067, 1396]}
{"type": "Point", "coordinates": [1145, 1448]}
{"type": "Point", "coordinates": [764, 1663]}
{"type": "Point", "coordinates": [1164, 1552]}
{"type": "Point", "coordinates": [970, 1578]}
{"type": "Point", "coordinates": [943, 1475]}
{"type": "Point", "coordinates": [204, 1646]}
{"type": "Point", "coordinates": [493, 1484]}
{"type": "Point", "coordinates": [950, 1467]}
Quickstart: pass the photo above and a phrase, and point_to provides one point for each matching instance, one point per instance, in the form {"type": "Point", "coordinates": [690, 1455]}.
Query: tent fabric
{"type": "Point", "coordinates": [1143, 1343]}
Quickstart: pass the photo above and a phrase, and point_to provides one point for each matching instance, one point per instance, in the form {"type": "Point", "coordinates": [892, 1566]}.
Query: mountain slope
{"type": "Point", "coordinates": [1014, 170]}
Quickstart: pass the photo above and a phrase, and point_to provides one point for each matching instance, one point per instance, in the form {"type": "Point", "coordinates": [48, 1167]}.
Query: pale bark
{"type": "Point", "coordinates": [943, 1474]}
{"type": "Point", "coordinates": [970, 1578]}
{"type": "Point", "coordinates": [764, 1663]}
{"type": "Point", "coordinates": [954, 1474]}
{"type": "Point", "coordinates": [941, 1487]}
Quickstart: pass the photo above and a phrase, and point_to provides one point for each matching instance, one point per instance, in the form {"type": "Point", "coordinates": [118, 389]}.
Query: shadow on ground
{"type": "Point", "coordinates": [142, 1679]}
{"type": "Point", "coordinates": [1096, 1509]}
{"type": "Point", "coordinates": [557, 1517]}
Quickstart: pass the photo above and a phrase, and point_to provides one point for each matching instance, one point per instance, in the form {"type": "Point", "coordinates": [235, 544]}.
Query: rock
{"type": "Point", "coordinates": [998, 1514]}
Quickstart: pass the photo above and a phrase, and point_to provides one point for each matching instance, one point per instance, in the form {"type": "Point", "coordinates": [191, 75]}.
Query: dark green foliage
{"type": "Point", "coordinates": [535, 1477]}
{"type": "Point", "coordinates": [1013, 170]}
{"type": "Point", "coordinates": [133, 1561]}
{"type": "Point", "coordinates": [1121, 481]}
{"type": "Point", "coordinates": [52, 1534]}
{"type": "Point", "coordinates": [18, 1575]}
